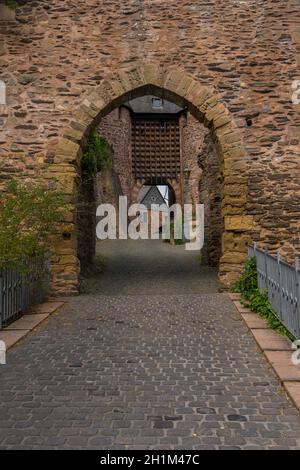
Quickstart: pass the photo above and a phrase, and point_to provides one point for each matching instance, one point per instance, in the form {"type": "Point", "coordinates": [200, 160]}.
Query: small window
{"type": "Point", "coordinates": [157, 103]}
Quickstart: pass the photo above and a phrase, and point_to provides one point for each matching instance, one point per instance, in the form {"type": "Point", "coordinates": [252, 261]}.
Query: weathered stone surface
{"type": "Point", "coordinates": [27, 322]}
{"type": "Point", "coordinates": [7, 13]}
{"type": "Point", "coordinates": [269, 340]}
{"type": "Point", "coordinates": [282, 364]}
{"type": "Point", "coordinates": [194, 53]}
{"type": "Point", "coordinates": [233, 257]}
{"type": "Point", "coordinates": [210, 190]}
{"type": "Point", "coordinates": [293, 390]}
{"type": "Point", "coordinates": [235, 242]}
{"type": "Point", "coordinates": [239, 223]}
{"type": "Point", "coordinates": [116, 128]}
{"type": "Point", "coordinates": [254, 321]}
{"type": "Point", "coordinates": [11, 337]}
{"type": "Point", "coordinates": [234, 295]}
{"type": "Point", "coordinates": [25, 78]}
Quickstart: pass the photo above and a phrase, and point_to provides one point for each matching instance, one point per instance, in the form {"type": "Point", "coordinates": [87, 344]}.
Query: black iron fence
{"type": "Point", "coordinates": [282, 283]}
{"type": "Point", "coordinates": [19, 291]}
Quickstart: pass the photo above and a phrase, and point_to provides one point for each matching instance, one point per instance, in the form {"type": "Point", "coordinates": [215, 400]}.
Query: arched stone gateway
{"type": "Point", "coordinates": [176, 86]}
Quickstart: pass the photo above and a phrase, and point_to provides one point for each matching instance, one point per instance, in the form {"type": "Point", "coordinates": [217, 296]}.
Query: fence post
{"type": "Point", "coordinates": [297, 274]}
{"type": "Point", "coordinates": [279, 283]}
{"type": "Point", "coordinates": [266, 254]}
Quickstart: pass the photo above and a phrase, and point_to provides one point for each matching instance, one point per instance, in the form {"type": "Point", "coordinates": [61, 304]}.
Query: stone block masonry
{"type": "Point", "coordinates": [198, 156]}
{"type": "Point", "coordinates": [116, 128]}
{"type": "Point", "coordinates": [53, 57]}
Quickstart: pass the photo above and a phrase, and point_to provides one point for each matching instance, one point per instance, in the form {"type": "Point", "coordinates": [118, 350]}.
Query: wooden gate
{"type": "Point", "coordinates": [156, 149]}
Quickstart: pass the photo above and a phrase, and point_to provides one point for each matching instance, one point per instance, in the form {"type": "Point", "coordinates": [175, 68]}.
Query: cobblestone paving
{"type": "Point", "coordinates": [151, 267]}
{"type": "Point", "coordinates": [143, 371]}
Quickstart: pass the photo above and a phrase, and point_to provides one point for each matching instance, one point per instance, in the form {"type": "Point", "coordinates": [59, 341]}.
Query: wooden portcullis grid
{"type": "Point", "coordinates": [156, 149]}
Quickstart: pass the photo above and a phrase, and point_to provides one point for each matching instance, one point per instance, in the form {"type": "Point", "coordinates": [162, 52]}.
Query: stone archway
{"type": "Point", "coordinates": [174, 85]}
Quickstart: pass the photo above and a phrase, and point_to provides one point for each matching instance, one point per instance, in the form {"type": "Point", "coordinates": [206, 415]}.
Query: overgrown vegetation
{"type": "Point", "coordinates": [91, 273]}
{"type": "Point", "coordinates": [29, 214]}
{"type": "Point", "coordinates": [96, 268]}
{"type": "Point", "coordinates": [247, 284]}
{"type": "Point", "coordinates": [11, 4]}
{"type": "Point", "coordinates": [257, 299]}
{"type": "Point", "coordinates": [97, 156]}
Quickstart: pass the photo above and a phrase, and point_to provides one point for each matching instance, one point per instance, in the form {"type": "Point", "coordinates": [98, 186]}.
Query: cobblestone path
{"type": "Point", "coordinates": [170, 371]}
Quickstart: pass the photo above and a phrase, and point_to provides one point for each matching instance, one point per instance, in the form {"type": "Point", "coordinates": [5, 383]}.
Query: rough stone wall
{"type": "Point", "coordinates": [55, 52]}
{"type": "Point", "coordinates": [108, 188]}
{"type": "Point", "coordinates": [107, 185]}
{"type": "Point", "coordinates": [210, 189]}
{"type": "Point", "coordinates": [86, 223]}
{"type": "Point", "coordinates": [204, 183]}
{"type": "Point", "coordinates": [199, 156]}
{"type": "Point", "coordinates": [116, 127]}
{"type": "Point", "coordinates": [104, 188]}
{"type": "Point", "coordinates": [193, 133]}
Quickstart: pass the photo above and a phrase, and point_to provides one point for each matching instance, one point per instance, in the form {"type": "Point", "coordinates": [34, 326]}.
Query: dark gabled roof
{"type": "Point", "coordinates": [153, 196]}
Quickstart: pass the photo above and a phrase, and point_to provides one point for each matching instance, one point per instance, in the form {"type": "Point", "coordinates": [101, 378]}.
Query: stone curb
{"type": "Point", "coordinates": [277, 349]}
{"type": "Point", "coordinates": [35, 315]}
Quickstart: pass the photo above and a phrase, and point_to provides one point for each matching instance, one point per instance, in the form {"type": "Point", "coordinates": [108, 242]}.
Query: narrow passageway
{"type": "Point", "coordinates": [150, 357]}
{"type": "Point", "coordinates": [102, 105]}
{"type": "Point", "coordinates": [150, 267]}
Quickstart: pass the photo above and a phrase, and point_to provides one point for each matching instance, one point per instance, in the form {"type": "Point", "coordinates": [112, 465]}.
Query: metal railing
{"type": "Point", "coordinates": [282, 283]}
{"type": "Point", "coordinates": [19, 291]}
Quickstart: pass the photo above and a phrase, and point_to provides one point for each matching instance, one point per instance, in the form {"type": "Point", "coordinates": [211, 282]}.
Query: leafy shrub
{"type": "Point", "coordinates": [96, 268]}
{"type": "Point", "coordinates": [29, 214]}
{"type": "Point", "coordinates": [97, 156]}
{"type": "Point", "coordinates": [247, 284]}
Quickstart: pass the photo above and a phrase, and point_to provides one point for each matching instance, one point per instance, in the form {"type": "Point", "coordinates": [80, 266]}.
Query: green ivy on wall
{"type": "Point", "coordinates": [11, 4]}
{"type": "Point", "coordinates": [97, 156]}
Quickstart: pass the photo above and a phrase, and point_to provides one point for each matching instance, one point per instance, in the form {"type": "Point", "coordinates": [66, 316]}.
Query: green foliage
{"type": "Point", "coordinates": [248, 281]}
{"type": "Point", "coordinates": [176, 241]}
{"type": "Point", "coordinates": [11, 4]}
{"type": "Point", "coordinates": [96, 268]}
{"type": "Point", "coordinates": [257, 299]}
{"type": "Point", "coordinates": [28, 216]}
{"type": "Point", "coordinates": [97, 156]}
{"type": "Point", "coordinates": [259, 303]}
